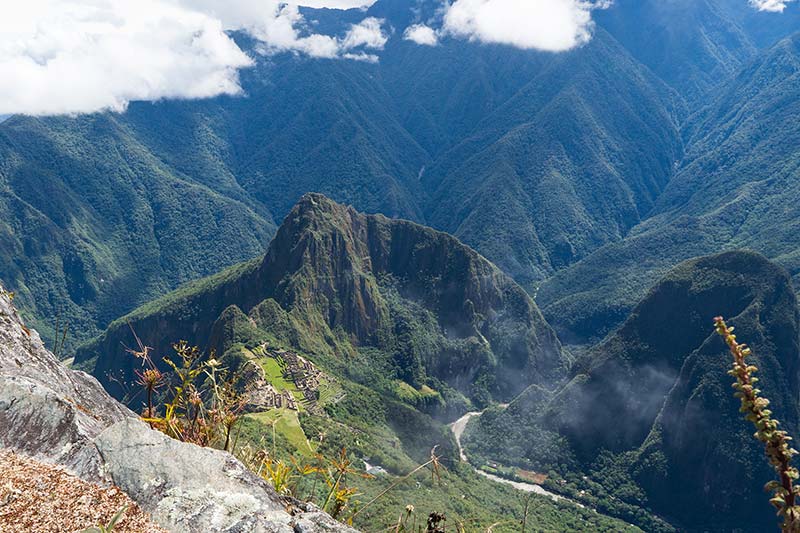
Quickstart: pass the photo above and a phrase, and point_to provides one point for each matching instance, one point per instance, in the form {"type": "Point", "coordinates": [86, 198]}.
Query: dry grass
{"type": "Point", "coordinates": [39, 498]}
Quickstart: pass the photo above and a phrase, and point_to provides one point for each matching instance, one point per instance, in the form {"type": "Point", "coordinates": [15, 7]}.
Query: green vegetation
{"type": "Point", "coordinates": [633, 431]}
{"type": "Point", "coordinates": [95, 224]}
{"type": "Point", "coordinates": [736, 188]}
{"type": "Point", "coordinates": [286, 423]}
{"type": "Point", "coordinates": [400, 352]}
{"type": "Point", "coordinates": [400, 304]}
{"type": "Point", "coordinates": [587, 176]}
{"type": "Point", "coordinates": [201, 401]}
{"type": "Point", "coordinates": [328, 468]}
{"type": "Point", "coordinates": [102, 213]}
{"type": "Point", "coordinates": [776, 442]}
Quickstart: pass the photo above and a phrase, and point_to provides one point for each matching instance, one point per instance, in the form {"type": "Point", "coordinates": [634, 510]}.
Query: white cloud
{"type": "Point", "coordinates": [336, 4]}
{"type": "Point", "coordinates": [362, 56]}
{"type": "Point", "coordinates": [69, 56]}
{"type": "Point", "coordinates": [421, 34]}
{"type": "Point", "coordinates": [553, 25]}
{"type": "Point", "coordinates": [280, 26]}
{"type": "Point", "coordinates": [775, 6]}
{"type": "Point", "coordinates": [82, 56]}
{"type": "Point", "coordinates": [367, 33]}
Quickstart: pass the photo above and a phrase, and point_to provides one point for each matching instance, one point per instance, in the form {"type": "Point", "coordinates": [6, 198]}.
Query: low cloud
{"type": "Point", "coordinates": [551, 25]}
{"type": "Point", "coordinates": [61, 56]}
{"type": "Point", "coordinates": [367, 33]}
{"type": "Point", "coordinates": [774, 6]}
{"type": "Point", "coordinates": [82, 56]}
{"type": "Point", "coordinates": [421, 34]}
{"type": "Point", "coordinates": [336, 4]}
{"type": "Point", "coordinates": [362, 56]}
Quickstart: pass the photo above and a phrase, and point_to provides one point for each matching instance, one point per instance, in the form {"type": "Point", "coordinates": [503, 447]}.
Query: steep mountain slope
{"type": "Point", "coordinates": [572, 161]}
{"type": "Point", "coordinates": [737, 188]}
{"type": "Point", "coordinates": [409, 329]}
{"type": "Point", "coordinates": [649, 411]}
{"type": "Point", "coordinates": [690, 44]}
{"type": "Point", "coordinates": [63, 417]}
{"type": "Point", "coordinates": [427, 134]}
{"type": "Point", "coordinates": [92, 223]}
{"type": "Point", "coordinates": [764, 28]}
{"type": "Point", "coordinates": [335, 282]}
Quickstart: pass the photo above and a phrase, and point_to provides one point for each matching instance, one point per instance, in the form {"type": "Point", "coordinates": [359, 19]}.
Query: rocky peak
{"type": "Point", "coordinates": [664, 373]}
{"type": "Point", "coordinates": [335, 280]}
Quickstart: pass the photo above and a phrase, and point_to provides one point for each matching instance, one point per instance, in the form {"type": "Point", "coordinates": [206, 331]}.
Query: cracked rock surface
{"type": "Point", "coordinates": [65, 417]}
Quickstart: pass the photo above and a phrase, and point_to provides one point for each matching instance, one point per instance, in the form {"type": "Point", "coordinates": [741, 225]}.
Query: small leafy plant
{"type": "Point", "coordinates": [202, 402]}
{"type": "Point", "coordinates": [776, 442]}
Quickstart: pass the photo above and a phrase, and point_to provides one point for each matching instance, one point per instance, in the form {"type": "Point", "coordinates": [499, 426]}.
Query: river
{"type": "Point", "coordinates": [458, 428]}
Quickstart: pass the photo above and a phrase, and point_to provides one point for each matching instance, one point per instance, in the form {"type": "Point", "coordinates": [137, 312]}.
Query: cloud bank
{"type": "Point", "coordinates": [421, 34]}
{"type": "Point", "coordinates": [775, 6]}
{"type": "Point", "coordinates": [552, 25]}
{"type": "Point", "coordinates": [66, 56]}
{"type": "Point", "coordinates": [82, 56]}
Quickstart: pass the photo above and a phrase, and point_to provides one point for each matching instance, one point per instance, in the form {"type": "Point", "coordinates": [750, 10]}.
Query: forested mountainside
{"type": "Point", "coordinates": [648, 413]}
{"type": "Point", "coordinates": [403, 328]}
{"type": "Point", "coordinates": [572, 161]}
{"type": "Point", "coordinates": [535, 159]}
{"type": "Point", "coordinates": [391, 137]}
{"type": "Point", "coordinates": [91, 221]}
{"type": "Point", "coordinates": [737, 187]}
{"type": "Point", "coordinates": [428, 310]}
{"type": "Point", "coordinates": [699, 35]}
{"type": "Point", "coordinates": [431, 200]}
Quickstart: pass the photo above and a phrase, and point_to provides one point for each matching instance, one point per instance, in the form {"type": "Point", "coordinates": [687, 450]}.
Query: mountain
{"type": "Point", "coordinates": [93, 222]}
{"type": "Point", "coordinates": [690, 44]}
{"type": "Point", "coordinates": [335, 282]}
{"type": "Point", "coordinates": [648, 413]}
{"type": "Point", "coordinates": [735, 188]}
{"type": "Point", "coordinates": [572, 161]}
{"type": "Point", "coordinates": [404, 329]}
{"type": "Point", "coordinates": [578, 144]}
{"type": "Point", "coordinates": [764, 28]}
{"type": "Point", "coordinates": [63, 417]}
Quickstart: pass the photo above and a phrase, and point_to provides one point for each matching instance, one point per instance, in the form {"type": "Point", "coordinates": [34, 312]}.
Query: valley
{"type": "Point", "coordinates": [458, 428]}
{"type": "Point", "coordinates": [425, 271]}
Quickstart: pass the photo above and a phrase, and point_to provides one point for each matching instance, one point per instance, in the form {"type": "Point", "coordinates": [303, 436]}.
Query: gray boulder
{"type": "Point", "coordinates": [62, 416]}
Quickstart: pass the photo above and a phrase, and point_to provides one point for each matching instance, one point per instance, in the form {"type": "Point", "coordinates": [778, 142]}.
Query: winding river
{"type": "Point", "coordinates": [458, 428]}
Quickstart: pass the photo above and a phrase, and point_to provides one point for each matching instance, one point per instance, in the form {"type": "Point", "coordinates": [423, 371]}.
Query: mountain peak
{"type": "Point", "coordinates": [314, 201]}
{"type": "Point", "coordinates": [655, 393]}
{"type": "Point", "coordinates": [340, 281]}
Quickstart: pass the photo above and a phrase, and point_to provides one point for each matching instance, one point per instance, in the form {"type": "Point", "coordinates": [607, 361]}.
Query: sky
{"type": "Point", "coordinates": [82, 56]}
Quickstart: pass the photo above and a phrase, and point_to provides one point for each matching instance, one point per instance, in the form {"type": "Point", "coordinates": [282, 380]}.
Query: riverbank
{"type": "Point", "coordinates": [458, 428]}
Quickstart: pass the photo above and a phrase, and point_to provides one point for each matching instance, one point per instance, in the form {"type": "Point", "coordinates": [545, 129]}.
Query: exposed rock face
{"type": "Point", "coordinates": [46, 410]}
{"type": "Point", "coordinates": [63, 416]}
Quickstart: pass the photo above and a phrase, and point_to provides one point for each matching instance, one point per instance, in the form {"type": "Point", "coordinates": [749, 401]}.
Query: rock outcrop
{"type": "Point", "coordinates": [62, 416]}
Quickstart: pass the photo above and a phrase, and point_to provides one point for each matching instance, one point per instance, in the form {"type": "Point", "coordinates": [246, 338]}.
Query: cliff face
{"type": "Point", "coordinates": [61, 416]}
{"type": "Point", "coordinates": [334, 281]}
{"type": "Point", "coordinates": [699, 455]}
{"type": "Point", "coordinates": [655, 396]}
{"type": "Point", "coordinates": [653, 354]}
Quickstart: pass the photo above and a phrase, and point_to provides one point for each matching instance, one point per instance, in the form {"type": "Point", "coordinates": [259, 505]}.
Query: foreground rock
{"type": "Point", "coordinates": [62, 416]}
{"type": "Point", "coordinates": [41, 498]}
